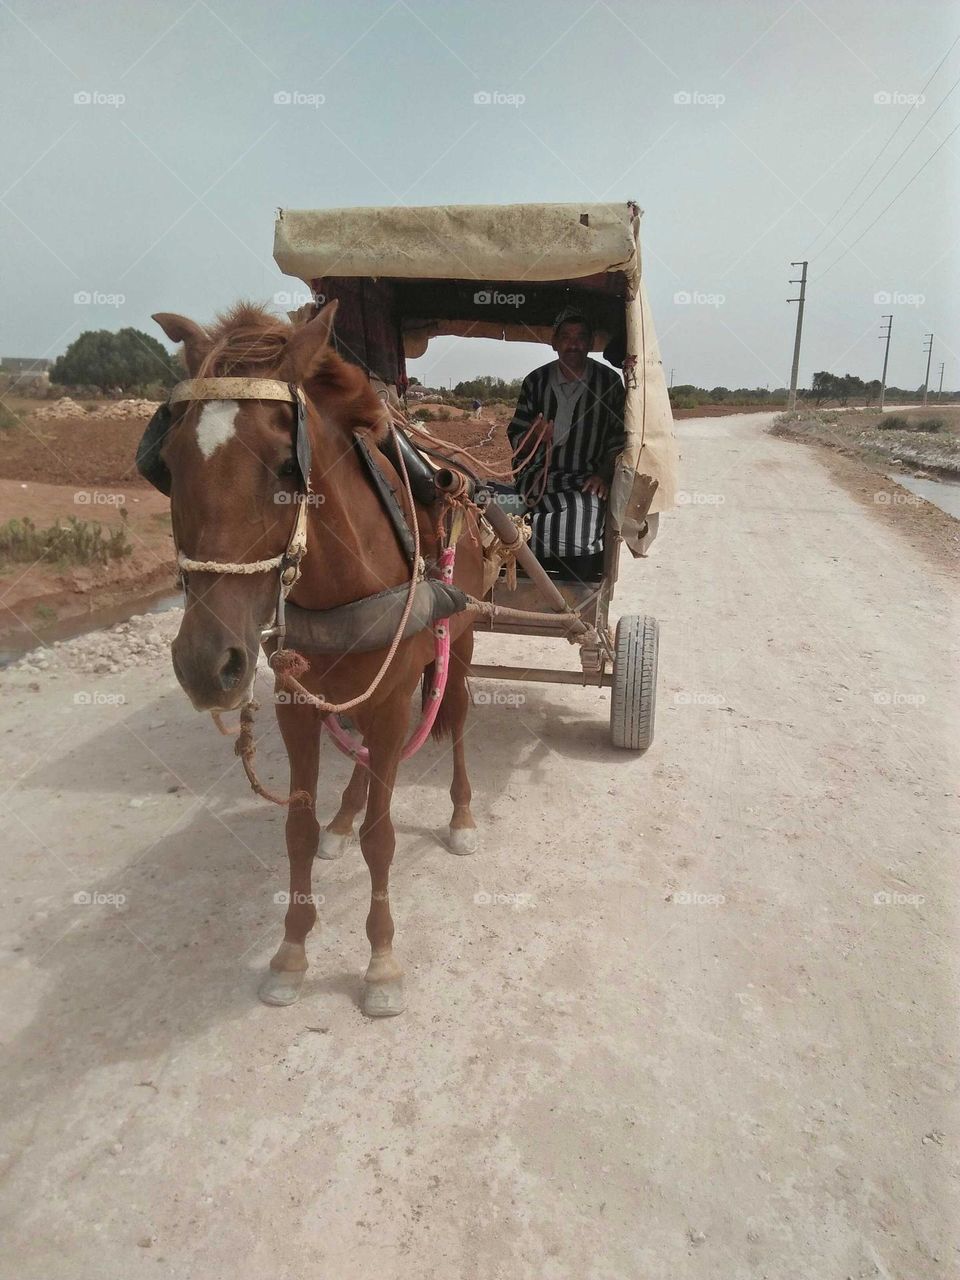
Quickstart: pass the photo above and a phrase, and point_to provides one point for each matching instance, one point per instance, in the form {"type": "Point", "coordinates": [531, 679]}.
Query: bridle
{"type": "Point", "coordinates": [289, 561]}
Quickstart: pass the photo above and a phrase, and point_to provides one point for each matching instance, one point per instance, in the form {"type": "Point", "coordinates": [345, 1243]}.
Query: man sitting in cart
{"type": "Point", "coordinates": [565, 481]}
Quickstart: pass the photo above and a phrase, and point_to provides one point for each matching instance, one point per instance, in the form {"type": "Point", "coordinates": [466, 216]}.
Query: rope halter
{"type": "Point", "coordinates": [289, 561]}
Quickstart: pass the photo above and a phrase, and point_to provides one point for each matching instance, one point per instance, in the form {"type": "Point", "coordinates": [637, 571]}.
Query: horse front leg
{"type": "Point", "coordinates": [300, 728]}
{"type": "Point", "coordinates": [383, 981]}
{"type": "Point", "coordinates": [337, 835]}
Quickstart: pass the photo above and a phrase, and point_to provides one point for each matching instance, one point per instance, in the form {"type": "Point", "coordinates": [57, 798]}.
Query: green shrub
{"type": "Point", "coordinates": [76, 542]}
{"type": "Point", "coordinates": [8, 419]}
{"type": "Point", "coordinates": [928, 424]}
{"type": "Point", "coordinates": [893, 422]}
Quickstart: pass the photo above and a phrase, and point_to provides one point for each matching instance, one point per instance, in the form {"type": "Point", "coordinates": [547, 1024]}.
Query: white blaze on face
{"type": "Point", "coordinates": [216, 425]}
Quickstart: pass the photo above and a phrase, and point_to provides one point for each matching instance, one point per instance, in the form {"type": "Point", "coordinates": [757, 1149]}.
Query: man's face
{"type": "Point", "coordinates": [572, 344]}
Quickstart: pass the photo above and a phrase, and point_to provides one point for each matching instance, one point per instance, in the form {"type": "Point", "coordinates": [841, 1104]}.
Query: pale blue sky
{"type": "Point", "coordinates": [168, 197]}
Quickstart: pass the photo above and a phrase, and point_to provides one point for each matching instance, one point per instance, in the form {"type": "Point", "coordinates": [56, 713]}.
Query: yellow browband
{"type": "Point", "coordinates": [232, 389]}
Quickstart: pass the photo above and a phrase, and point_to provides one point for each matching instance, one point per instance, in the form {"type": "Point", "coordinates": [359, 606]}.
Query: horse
{"type": "Point", "coordinates": [232, 467]}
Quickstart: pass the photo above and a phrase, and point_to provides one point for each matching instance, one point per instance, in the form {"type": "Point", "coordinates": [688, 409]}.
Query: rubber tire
{"type": "Point", "coordinates": [633, 697]}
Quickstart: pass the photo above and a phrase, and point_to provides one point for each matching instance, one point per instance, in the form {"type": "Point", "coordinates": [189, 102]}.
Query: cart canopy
{"type": "Point", "coordinates": [412, 274]}
{"type": "Point", "coordinates": [460, 242]}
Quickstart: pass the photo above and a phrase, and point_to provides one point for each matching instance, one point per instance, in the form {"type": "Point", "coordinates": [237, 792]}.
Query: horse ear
{"type": "Point", "coordinates": [196, 341]}
{"type": "Point", "coordinates": [308, 344]}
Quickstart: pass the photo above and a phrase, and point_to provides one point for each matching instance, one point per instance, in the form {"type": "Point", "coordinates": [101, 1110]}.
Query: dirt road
{"type": "Point", "coordinates": [690, 1014]}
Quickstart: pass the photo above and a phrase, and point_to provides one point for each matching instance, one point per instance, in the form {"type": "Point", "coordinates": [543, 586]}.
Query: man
{"type": "Point", "coordinates": [581, 402]}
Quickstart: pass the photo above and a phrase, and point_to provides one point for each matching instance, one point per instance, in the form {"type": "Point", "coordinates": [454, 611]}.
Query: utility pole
{"type": "Point", "coordinates": [940, 388]}
{"type": "Point", "coordinates": [926, 377]}
{"type": "Point", "coordinates": [671, 378]}
{"type": "Point", "coordinates": [886, 357]}
{"type": "Point", "coordinates": [802, 282]}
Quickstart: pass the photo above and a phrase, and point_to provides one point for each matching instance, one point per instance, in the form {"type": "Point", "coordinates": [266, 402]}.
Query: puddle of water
{"type": "Point", "coordinates": [944, 494]}
{"type": "Point", "coordinates": [96, 620]}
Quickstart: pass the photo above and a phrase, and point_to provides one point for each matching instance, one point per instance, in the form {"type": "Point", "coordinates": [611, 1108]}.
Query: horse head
{"type": "Point", "coordinates": [232, 448]}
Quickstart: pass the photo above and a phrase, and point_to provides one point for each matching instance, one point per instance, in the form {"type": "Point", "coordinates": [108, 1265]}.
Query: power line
{"type": "Point", "coordinates": [892, 202]}
{"type": "Point", "coordinates": [903, 120]}
{"type": "Point", "coordinates": [886, 175]}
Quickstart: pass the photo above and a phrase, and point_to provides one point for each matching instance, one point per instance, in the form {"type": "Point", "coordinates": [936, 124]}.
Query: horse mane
{"type": "Point", "coordinates": [248, 342]}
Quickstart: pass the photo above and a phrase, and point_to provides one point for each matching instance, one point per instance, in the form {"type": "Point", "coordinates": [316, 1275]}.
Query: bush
{"type": "Point", "coordinates": [928, 424]}
{"type": "Point", "coordinates": [893, 422]}
{"type": "Point", "coordinates": [8, 419]}
{"type": "Point", "coordinates": [76, 542]}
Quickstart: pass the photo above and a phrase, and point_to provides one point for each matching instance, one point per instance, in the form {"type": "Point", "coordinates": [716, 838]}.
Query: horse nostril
{"type": "Point", "coordinates": [231, 669]}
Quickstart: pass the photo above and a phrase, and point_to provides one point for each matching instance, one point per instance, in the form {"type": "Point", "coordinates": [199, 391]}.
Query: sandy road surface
{"type": "Point", "coordinates": [704, 1027]}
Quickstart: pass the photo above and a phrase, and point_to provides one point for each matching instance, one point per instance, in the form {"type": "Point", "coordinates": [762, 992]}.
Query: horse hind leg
{"type": "Point", "coordinates": [339, 831]}
{"type": "Point", "coordinates": [464, 837]}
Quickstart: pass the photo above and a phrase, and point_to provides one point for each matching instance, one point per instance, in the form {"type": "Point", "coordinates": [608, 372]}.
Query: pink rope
{"type": "Point", "coordinates": [350, 746]}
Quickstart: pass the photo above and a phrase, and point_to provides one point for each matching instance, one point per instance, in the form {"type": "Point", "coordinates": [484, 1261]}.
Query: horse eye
{"type": "Point", "coordinates": [287, 468]}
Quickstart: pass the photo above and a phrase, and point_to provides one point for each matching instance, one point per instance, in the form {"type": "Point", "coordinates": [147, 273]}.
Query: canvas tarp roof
{"type": "Point", "coordinates": [459, 242]}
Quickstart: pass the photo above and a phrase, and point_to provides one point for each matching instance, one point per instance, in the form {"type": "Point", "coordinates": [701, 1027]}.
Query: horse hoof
{"type": "Point", "coordinates": [383, 999]}
{"type": "Point", "coordinates": [332, 845]}
{"type": "Point", "coordinates": [464, 840]}
{"type": "Point", "coordinates": [281, 987]}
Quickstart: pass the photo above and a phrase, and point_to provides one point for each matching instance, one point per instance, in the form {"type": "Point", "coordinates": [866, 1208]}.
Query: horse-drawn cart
{"type": "Point", "coordinates": [405, 275]}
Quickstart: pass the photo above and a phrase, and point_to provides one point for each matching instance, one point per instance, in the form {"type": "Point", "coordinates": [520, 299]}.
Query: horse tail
{"type": "Point", "coordinates": [443, 724]}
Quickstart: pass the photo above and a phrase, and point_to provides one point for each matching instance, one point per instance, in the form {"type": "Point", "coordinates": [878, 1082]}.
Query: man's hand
{"type": "Point", "coordinates": [593, 484]}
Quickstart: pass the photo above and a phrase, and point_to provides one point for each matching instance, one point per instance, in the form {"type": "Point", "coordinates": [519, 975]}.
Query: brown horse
{"type": "Point", "coordinates": [232, 468]}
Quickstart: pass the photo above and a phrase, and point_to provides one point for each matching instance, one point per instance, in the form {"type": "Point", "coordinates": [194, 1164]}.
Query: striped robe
{"type": "Point", "coordinates": [566, 521]}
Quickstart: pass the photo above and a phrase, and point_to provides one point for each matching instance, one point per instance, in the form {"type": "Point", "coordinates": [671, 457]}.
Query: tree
{"type": "Point", "coordinates": [128, 359]}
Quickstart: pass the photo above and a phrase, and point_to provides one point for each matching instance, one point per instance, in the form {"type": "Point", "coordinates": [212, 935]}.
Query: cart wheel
{"type": "Point", "coordinates": [633, 701]}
